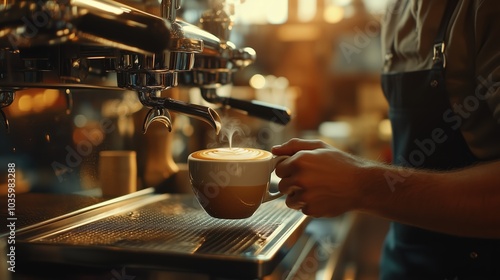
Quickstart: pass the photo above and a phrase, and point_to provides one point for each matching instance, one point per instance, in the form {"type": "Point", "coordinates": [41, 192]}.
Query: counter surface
{"type": "Point", "coordinates": [166, 231]}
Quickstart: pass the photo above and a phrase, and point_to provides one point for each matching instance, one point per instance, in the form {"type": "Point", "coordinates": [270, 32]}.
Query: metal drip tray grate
{"type": "Point", "coordinates": [174, 226]}
{"type": "Point", "coordinates": [172, 231]}
{"type": "Point", "coordinates": [34, 208]}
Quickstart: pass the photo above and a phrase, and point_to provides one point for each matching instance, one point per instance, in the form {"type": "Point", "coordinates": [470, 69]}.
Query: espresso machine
{"type": "Point", "coordinates": [76, 51]}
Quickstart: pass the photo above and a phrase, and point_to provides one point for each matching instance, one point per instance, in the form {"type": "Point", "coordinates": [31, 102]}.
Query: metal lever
{"type": "Point", "coordinates": [168, 9]}
{"type": "Point", "coordinates": [262, 110]}
{"type": "Point", "coordinates": [6, 98]}
{"type": "Point", "coordinates": [69, 101]}
{"type": "Point", "coordinates": [5, 121]}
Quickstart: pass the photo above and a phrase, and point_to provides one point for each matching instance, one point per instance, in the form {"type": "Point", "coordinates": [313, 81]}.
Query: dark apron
{"type": "Point", "coordinates": [423, 139]}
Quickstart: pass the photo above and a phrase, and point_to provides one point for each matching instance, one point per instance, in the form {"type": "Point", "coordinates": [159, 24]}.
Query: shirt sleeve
{"type": "Point", "coordinates": [487, 26]}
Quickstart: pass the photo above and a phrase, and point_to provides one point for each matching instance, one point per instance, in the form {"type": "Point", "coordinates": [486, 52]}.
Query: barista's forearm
{"type": "Point", "coordinates": [464, 202]}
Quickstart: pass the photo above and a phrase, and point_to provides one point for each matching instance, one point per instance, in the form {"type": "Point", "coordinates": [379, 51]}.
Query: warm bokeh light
{"type": "Point", "coordinates": [89, 136]}
{"type": "Point", "coordinates": [277, 11]}
{"type": "Point", "coordinates": [101, 6]}
{"type": "Point", "coordinates": [50, 96]}
{"type": "Point", "coordinates": [25, 103]}
{"type": "Point", "coordinates": [281, 83]}
{"type": "Point", "coordinates": [385, 130]}
{"type": "Point", "coordinates": [80, 120]}
{"type": "Point", "coordinates": [299, 32]}
{"type": "Point", "coordinates": [37, 101]}
{"type": "Point", "coordinates": [335, 129]}
{"type": "Point", "coordinates": [258, 81]}
{"type": "Point", "coordinates": [263, 12]}
{"type": "Point", "coordinates": [333, 14]}
{"type": "Point", "coordinates": [306, 10]}
{"type": "Point", "coordinates": [340, 2]}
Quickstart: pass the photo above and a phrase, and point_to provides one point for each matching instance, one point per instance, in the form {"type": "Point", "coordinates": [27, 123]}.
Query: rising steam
{"type": "Point", "coordinates": [234, 133]}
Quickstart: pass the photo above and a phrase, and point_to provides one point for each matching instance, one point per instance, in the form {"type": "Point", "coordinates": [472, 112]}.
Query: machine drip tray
{"type": "Point", "coordinates": [167, 232]}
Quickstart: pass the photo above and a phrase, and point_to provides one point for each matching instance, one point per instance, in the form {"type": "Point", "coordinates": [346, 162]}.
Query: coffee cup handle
{"type": "Point", "coordinates": [269, 195]}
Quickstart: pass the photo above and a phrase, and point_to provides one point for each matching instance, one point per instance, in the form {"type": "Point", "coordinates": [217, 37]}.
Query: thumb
{"type": "Point", "coordinates": [294, 145]}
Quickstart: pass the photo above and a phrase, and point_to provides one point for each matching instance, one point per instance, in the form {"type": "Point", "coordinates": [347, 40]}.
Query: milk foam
{"type": "Point", "coordinates": [232, 154]}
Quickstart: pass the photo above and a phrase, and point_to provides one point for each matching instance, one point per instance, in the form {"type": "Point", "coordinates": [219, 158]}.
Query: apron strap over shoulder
{"type": "Point", "coordinates": [439, 58]}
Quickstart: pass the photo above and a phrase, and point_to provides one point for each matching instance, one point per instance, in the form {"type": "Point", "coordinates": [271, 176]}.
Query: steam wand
{"type": "Point", "coordinates": [262, 110]}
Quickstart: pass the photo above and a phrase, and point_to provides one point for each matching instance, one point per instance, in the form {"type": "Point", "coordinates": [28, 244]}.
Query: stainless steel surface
{"type": "Point", "coordinates": [33, 208]}
{"type": "Point", "coordinates": [51, 44]}
{"type": "Point", "coordinates": [214, 67]}
{"type": "Point", "coordinates": [48, 44]}
{"type": "Point", "coordinates": [169, 232]}
{"type": "Point", "coordinates": [168, 9]}
{"type": "Point", "coordinates": [159, 113]}
{"type": "Point", "coordinates": [104, 48]}
{"type": "Point", "coordinates": [27, 24]}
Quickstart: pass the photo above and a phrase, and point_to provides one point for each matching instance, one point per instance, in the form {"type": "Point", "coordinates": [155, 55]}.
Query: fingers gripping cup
{"type": "Point", "coordinates": [231, 183]}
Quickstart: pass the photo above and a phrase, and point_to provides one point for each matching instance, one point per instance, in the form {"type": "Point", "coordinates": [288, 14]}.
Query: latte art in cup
{"type": "Point", "coordinates": [231, 183]}
{"type": "Point", "coordinates": [232, 154]}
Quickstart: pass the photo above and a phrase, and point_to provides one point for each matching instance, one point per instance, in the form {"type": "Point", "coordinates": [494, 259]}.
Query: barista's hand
{"type": "Point", "coordinates": [318, 178]}
{"type": "Point", "coordinates": [326, 182]}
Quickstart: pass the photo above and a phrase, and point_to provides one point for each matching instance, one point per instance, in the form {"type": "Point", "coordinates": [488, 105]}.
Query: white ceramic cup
{"type": "Point", "coordinates": [117, 173]}
{"type": "Point", "coordinates": [231, 183]}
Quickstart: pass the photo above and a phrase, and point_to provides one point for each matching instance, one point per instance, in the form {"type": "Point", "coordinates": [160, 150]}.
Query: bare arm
{"type": "Point", "coordinates": [463, 202]}
{"type": "Point", "coordinates": [330, 182]}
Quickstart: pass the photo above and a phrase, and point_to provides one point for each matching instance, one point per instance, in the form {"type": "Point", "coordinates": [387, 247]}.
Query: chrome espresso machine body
{"type": "Point", "coordinates": [100, 46]}
{"type": "Point", "coordinates": [105, 46]}
{"type": "Point", "coordinates": [59, 44]}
